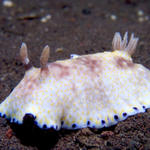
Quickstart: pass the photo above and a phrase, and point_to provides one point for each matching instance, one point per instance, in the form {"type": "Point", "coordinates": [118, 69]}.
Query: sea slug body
{"type": "Point", "coordinates": [96, 90]}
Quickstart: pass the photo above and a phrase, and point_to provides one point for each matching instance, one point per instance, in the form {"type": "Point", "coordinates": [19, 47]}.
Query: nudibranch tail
{"type": "Point", "coordinates": [119, 44]}
{"type": "Point", "coordinates": [96, 90]}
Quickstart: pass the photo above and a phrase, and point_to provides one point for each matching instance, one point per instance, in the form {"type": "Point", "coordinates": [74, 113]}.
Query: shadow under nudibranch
{"type": "Point", "coordinates": [31, 135]}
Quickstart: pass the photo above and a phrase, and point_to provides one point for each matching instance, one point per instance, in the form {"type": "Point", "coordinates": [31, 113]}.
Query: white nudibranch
{"type": "Point", "coordinates": [96, 90]}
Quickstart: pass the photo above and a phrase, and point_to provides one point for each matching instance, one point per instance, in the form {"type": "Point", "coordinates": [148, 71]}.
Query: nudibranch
{"type": "Point", "coordinates": [96, 90]}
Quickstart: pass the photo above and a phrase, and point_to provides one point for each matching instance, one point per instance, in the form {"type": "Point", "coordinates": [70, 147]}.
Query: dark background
{"type": "Point", "coordinates": [80, 27]}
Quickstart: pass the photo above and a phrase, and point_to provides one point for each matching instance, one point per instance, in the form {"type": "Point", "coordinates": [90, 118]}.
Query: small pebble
{"type": "Point", "coordinates": [46, 18]}
{"type": "Point", "coordinates": [146, 18]}
{"type": "Point", "coordinates": [58, 50]}
{"type": "Point", "coordinates": [106, 134]}
{"type": "Point", "coordinates": [8, 3]}
{"type": "Point", "coordinates": [9, 133]}
{"type": "Point", "coordinates": [140, 13]}
{"type": "Point", "coordinates": [113, 17]}
{"type": "Point", "coordinates": [141, 19]}
{"type": "Point", "coordinates": [29, 16]}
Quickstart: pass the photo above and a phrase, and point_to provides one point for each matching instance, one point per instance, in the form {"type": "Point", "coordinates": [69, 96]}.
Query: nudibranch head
{"type": "Point", "coordinates": [96, 90]}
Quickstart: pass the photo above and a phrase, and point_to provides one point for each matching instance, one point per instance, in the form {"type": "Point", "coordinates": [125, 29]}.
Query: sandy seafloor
{"type": "Point", "coordinates": [80, 27]}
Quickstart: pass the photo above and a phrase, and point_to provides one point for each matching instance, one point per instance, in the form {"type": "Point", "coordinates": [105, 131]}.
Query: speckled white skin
{"type": "Point", "coordinates": [87, 91]}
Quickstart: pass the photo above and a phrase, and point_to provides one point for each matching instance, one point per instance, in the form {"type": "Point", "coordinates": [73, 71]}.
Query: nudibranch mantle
{"type": "Point", "coordinates": [95, 90]}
